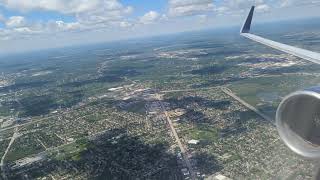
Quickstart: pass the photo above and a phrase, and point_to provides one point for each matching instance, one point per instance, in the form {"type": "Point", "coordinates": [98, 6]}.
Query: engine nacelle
{"type": "Point", "coordinates": [298, 122]}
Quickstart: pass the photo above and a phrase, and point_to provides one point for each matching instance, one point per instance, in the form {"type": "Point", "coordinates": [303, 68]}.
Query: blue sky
{"type": "Point", "coordinates": [142, 6]}
{"type": "Point", "coordinates": [31, 24]}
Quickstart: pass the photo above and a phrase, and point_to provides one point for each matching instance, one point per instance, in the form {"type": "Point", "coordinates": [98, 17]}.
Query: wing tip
{"type": "Point", "coordinates": [247, 24]}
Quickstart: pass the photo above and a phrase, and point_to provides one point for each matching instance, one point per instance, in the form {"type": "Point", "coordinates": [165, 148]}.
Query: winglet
{"type": "Point", "coordinates": [247, 24]}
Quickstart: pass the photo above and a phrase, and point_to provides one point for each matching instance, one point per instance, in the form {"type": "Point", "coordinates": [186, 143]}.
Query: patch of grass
{"type": "Point", "coordinates": [23, 147]}
{"type": "Point", "coordinates": [71, 151]}
{"type": "Point", "coordinates": [204, 134]}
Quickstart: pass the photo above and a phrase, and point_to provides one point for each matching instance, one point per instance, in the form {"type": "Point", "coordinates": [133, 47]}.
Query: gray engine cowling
{"type": "Point", "coordinates": [298, 122]}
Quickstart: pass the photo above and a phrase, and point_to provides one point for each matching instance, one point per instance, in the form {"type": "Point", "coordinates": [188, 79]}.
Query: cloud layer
{"type": "Point", "coordinates": [189, 7]}
{"type": "Point", "coordinates": [106, 14]}
{"type": "Point", "coordinates": [149, 17]}
{"type": "Point", "coordinates": [89, 14]}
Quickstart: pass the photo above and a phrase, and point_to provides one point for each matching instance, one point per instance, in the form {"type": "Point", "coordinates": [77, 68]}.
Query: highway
{"type": "Point", "coordinates": [42, 119]}
{"type": "Point", "coordinates": [57, 116]}
{"type": "Point", "coordinates": [183, 150]}
{"type": "Point", "coordinates": [261, 114]}
{"type": "Point", "coordinates": [52, 149]}
{"type": "Point", "coordinates": [25, 124]}
{"type": "Point", "coordinates": [231, 94]}
{"type": "Point", "coordinates": [175, 134]}
{"type": "Point", "coordinates": [13, 138]}
{"type": "Point", "coordinates": [187, 90]}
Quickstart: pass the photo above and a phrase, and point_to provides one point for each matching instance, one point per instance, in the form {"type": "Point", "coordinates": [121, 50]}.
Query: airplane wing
{"type": "Point", "coordinates": [302, 53]}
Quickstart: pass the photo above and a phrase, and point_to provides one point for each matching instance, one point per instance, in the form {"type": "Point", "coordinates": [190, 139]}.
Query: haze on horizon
{"type": "Point", "coordinates": [39, 24]}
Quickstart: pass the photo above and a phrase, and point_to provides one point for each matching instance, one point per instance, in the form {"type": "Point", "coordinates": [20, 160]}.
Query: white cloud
{"type": "Point", "coordinates": [2, 19]}
{"type": "Point", "coordinates": [24, 30]}
{"type": "Point", "coordinates": [125, 24]}
{"type": "Point", "coordinates": [263, 8]}
{"type": "Point", "coordinates": [149, 17]}
{"type": "Point", "coordinates": [63, 6]}
{"type": "Point", "coordinates": [62, 26]}
{"type": "Point", "coordinates": [203, 18]}
{"type": "Point", "coordinates": [189, 7]}
{"type": "Point", "coordinates": [237, 7]}
{"type": "Point", "coordinates": [85, 11]}
{"type": "Point", "coordinates": [89, 15]}
{"type": "Point", "coordinates": [104, 15]}
{"type": "Point", "coordinates": [287, 3]}
{"type": "Point", "coordinates": [16, 21]}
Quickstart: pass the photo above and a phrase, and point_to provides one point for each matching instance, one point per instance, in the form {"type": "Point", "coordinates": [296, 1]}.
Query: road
{"type": "Point", "coordinates": [42, 144]}
{"type": "Point", "coordinates": [52, 149]}
{"type": "Point", "coordinates": [43, 119]}
{"type": "Point", "coordinates": [231, 94]}
{"type": "Point", "coordinates": [175, 134]}
{"type": "Point", "coordinates": [25, 124]}
{"type": "Point", "coordinates": [57, 116]}
{"type": "Point", "coordinates": [13, 138]}
{"type": "Point", "coordinates": [186, 90]}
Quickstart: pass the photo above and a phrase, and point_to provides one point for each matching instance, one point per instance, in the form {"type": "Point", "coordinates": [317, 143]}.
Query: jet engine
{"type": "Point", "coordinates": [298, 122]}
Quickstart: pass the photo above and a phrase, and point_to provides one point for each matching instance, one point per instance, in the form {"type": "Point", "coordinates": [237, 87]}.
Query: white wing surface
{"type": "Point", "coordinates": [302, 53]}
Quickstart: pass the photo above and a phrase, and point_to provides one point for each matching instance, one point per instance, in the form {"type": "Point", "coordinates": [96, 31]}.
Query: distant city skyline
{"type": "Point", "coordinates": [38, 24]}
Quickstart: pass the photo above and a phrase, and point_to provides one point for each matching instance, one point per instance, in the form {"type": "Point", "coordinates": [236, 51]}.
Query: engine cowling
{"type": "Point", "coordinates": [298, 122]}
